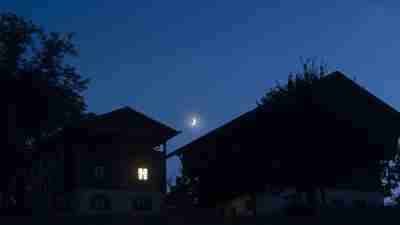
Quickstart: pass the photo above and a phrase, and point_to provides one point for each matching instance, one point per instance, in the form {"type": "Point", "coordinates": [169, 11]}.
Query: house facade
{"type": "Point", "coordinates": [267, 159]}
{"type": "Point", "coordinates": [16, 178]}
{"type": "Point", "coordinates": [267, 203]}
{"type": "Point", "coordinates": [112, 163]}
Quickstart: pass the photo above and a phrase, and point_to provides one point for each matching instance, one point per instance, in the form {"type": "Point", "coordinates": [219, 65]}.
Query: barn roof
{"type": "Point", "coordinates": [336, 93]}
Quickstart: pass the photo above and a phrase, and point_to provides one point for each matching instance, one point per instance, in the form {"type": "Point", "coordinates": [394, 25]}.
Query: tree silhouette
{"type": "Point", "coordinates": [41, 91]}
{"type": "Point", "coordinates": [183, 194]}
{"type": "Point", "coordinates": [391, 178]}
{"type": "Point", "coordinates": [293, 100]}
{"type": "Point", "coordinates": [309, 129]}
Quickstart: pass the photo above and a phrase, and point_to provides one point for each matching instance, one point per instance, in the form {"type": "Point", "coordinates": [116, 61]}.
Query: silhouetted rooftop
{"type": "Point", "coordinates": [337, 93]}
{"type": "Point", "coordinates": [121, 122]}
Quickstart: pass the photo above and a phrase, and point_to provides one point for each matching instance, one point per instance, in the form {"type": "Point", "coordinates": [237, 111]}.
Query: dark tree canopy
{"type": "Point", "coordinates": [41, 91]}
{"type": "Point", "coordinates": [240, 160]}
{"type": "Point", "coordinates": [298, 86]}
{"type": "Point", "coordinates": [45, 90]}
{"type": "Point", "coordinates": [183, 194]}
{"type": "Point", "coordinates": [391, 178]}
{"type": "Point", "coordinates": [294, 101]}
{"type": "Point", "coordinates": [293, 141]}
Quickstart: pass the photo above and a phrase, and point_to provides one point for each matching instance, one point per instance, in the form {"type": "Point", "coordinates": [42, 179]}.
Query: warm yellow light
{"type": "Point", "coordinates": [143, 173]}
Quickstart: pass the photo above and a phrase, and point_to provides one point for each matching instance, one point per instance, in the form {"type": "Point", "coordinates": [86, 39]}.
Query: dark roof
{"type": "Point", "coordinates": [124, 121]}
{"type": "Point", "coordinates": [364, 110]}
{"type": "Point", "coordinates": [335, 91]}
{"type": "Point", "coordinates": [212, 134]}
{"type": "Point", "coordinates": [341, 99]}
{"type": "Point", "coordinates": [131, 117]}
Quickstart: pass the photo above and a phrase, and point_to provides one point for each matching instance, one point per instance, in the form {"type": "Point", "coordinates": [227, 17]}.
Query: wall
{"type": "Point", "coordinates": [266, 203]}
{"type": "Point", "coordinates": [239, 205]}
{"type": "Point", "coordinates": [121, 201]}
{"type": "Point", "coordinates": [121, 163]}
{"type": "Point", "coordinates": [120, 183]}
{"type": "Point", "coordinates": [372, 199]}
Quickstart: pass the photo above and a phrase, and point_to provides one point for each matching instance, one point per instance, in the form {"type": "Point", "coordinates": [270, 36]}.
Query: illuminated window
{"type": "Point", "coordinates": [143, 173]}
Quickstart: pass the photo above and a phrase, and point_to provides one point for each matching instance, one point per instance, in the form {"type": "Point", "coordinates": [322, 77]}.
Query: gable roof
{"type": "Point", "coordinates": [124, 121]}
{"type": "Point", "coordinates": [337, 93]}
{"type": "Point", "coordinates": [354, 103]}
{"type": "Point", "coordinates": [216, 132]}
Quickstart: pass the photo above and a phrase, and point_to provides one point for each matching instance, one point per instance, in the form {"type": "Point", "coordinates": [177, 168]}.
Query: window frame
{"type": "Point", "coordinates": [99, 171]}
{"type": "Point", "coordinates": [96, 199]}
{"type": "Point", "coordinates": [143, 174]}
{"type": "Point", "coordinates": [360, 203]}
{"type": "Point", "coordinates": [142, 203]}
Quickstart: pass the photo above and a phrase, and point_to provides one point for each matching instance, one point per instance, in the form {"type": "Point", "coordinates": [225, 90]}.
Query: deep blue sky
{"type": "Point", "coordinates": [170, 59]}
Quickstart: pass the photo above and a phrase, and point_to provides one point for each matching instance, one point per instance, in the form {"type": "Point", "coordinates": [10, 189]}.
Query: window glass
{"type": "Point", "coordinates": [338, 203]}
{"type": "Point", "coordinates": [360, 203]}
{"type": "Point", "coordinates": [142, 203]}
{"type": "Point", "coordinates": [143, 174]}
{"type": "Point", "coordinates": [99, 171]}
{"type": "Point", "coordinates": [100, 202]}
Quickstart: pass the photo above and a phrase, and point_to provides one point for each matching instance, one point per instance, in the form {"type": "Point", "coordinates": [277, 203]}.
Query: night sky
{"type": "Point", "coordinates": [171, 59]}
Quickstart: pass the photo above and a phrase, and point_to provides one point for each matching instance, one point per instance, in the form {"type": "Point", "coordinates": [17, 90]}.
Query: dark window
{"type": "Point", "coordinates": [59, 202]}
{"type": "Point", "coordinates": [142, 203]}
{"type": "Point", "coordinates": [338, 203]}
{"type": "Point", "coordinates": [222, 211]}
{"type": "Point", "coordinates": [100, 202]}
{"type": "Point", "coordinates": [360, 203]}
{"type": "Point", "coordinates": [45, 185]}
{"type": "Point", "coordinates": [233, 212]}
{"type": "Point", "coordinates": [250, 203]}
{"type": "Point", "coordinates": [99, 171]}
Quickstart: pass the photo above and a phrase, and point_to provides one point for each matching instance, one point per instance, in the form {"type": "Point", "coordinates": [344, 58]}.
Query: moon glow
{"type": "Point", "coordinates": [194, 122]}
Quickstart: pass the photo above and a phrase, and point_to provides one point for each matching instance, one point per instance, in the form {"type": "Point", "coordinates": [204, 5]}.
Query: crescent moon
{"type": "Point", "coordinates": [194, 122]}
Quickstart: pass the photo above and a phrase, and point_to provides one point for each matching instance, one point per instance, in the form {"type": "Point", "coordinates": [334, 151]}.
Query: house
{"type": "Point", "coordinates": [112, 163]}
{"type": "Point", "coordinates": [15, 164]}
{"type": "Point", "coordinates": [267, 159]}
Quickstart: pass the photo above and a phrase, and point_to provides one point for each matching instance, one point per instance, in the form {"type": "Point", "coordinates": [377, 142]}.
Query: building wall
{"type": "Point", "coordinates": [121, 163]}
{"type": "Point", "coordinates": [267, 203]}
{"type": "Point", "coordinates": [120, 182]}
{"type": "Point", "coordinates": [121, 201]}
{"type": "Point", "coordinates": [237, 206]}
{"type": "Point", "coordinates": [11, 132]}
{"type": "Point", "coordinates": [372, 199]}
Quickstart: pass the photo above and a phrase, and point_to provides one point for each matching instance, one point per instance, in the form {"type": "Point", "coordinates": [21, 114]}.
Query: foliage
{"type": "Point", "coordinates": [184, 193]}
{"type": "Point", "coordinates": [41, 91]}
{"type": "Point", "coordinates": [390, 178]}
{"type": "Point", "coordinates": [296, 94]}
{"type": "Point", "coordinates": [298, 85]}
{"type": "Point", "coordinates": [292, 100]}
{"type": "Point", "coordinates": [46, 91]}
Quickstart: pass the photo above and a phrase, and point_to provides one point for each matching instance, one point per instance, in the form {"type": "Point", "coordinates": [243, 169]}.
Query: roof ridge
{"type": "Point", "coordinates": [362, 89]}
{"type": "Point", "coordinates": [143, 115]}
{"type": "Point", "coordinates": [148, 117]}
{"type": "Point", "coordinates": [177, 151]}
